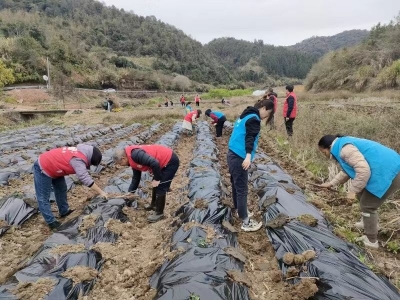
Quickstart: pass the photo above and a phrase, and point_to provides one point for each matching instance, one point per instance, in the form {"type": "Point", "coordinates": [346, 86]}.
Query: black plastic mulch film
{"type": "Point", "coordinates": [45, 264]}
{"type": "Point", "coordinates": [201, 270]}
{"type": "Point", "coordinates": [341, 274]}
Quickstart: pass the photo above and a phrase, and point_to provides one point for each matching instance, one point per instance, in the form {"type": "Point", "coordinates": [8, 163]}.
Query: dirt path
{"type": "Point", "coordinates": [20, 244]}
{"type": "Point", "coordinates": [262, 268]}
{"type": "Point", "coordinates": [343, 213]}
{"type": "Point", "coordinates": [143, 247]}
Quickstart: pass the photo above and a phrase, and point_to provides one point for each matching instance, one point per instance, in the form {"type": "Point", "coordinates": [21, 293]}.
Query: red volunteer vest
{"type": "Point", "coordinates": [161, 153]}
{"type": "Point", "coordinates": [189, 116]}
{"type": "Point", "coordinates": [197, 99]}
{"type": "Point", "coordinates": [182, 99]}
{"type": "Point", "coordinates": [275, 102]}
{"type": "Point", "coordinates": [55, 163]}
{"type": "Point", "coordinates": [285, 106]}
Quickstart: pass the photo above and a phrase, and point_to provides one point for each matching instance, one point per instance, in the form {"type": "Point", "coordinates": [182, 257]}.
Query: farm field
{"type": "Point", "coordinates": [107, 250]}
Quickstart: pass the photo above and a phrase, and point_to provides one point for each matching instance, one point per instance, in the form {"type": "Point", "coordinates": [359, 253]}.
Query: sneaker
{"type": "Point", "coordinates": [70, 211]}
{"type": "Point", "coordinates": [54, 225]}
{"type": "Point", "coordinates": [367, 243]}
{"type": "Point", "coordinates": [251, 226]}
{"type": "Point", "coordinates": [155, 217]}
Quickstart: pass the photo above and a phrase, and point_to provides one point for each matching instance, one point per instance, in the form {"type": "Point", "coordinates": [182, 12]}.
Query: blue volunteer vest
{"type": "Point", "coordinates": [218, 114]}
{"type": "Point", "coordinates": [383, 162]}
{"type": "Point", "coordinates": [237, 142]}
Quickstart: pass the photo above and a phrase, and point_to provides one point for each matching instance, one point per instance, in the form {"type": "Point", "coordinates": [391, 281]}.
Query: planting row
{"type": "Point", "coordinates": [304, 243]}
{"type": "Point", "coordinates": [14, 210]}
{"type": "Point", "coordinates": [207, 248]}
{"type": "Point", "coordinates": [68, 263]}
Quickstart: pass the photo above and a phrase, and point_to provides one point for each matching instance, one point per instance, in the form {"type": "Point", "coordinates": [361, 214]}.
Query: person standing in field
{"type": "Point", "coordinates": [160, 161]}
{"type": "Point", "coordinates": [274, 98]}
{"type": "Point", "coordinates": [190, 119]}
{"type": "Point", "coordinates": [290, 109]}
{"type": "Point", "coordinates": [183, 100]}
{"type": "Point", "coordinates": [242, 149]}
{"type": "Point", "coordinates": [188, 108]}
{"type": "Point", "coordinates": [49, 171]}
{"type": "Point", "coordinates": [197, 100]}
{"type": "Point", "coordinates": [218, 120]}
{"type": "Point", "coordinates": [375, 173]}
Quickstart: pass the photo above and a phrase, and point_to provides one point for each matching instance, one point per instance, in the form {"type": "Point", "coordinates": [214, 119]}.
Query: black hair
{"type": "Point", "coordinates": [290, 88]}
{"type": "Point", "coordinates": [208, 112]}
{"type": "Point", "coordinates": [268, 104]}
{"type": "Point", "coordinates": [188, 103]}
{"type": "Point", "coordinates": [198, 113]}
{"type": "Point", "coordinates": [96, 157]}
{"type": "Point", "coordinates": [326, 141]}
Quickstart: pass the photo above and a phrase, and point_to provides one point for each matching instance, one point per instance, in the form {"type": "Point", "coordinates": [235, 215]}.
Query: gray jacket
{"type": "Point", "coordinates": [80, 166]}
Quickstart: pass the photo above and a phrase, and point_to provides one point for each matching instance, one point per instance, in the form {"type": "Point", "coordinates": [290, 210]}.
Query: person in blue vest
{"type": "Point", "coordinates": [188, 108]}
{"type": "Point", "coordinates": [218, 120]}
{"type": "Point", "coordinates": [375, 173]}
{"type": "Point", "coordinates": [242, 148]}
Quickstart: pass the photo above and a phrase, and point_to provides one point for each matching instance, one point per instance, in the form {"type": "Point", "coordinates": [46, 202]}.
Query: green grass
{"type": "Point", "coordinates": [224, 93]}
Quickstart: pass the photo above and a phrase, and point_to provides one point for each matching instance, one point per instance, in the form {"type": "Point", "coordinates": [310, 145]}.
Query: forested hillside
{"type": "Point", "coordinates": [256, 61]}
{"type": "Point", "coordinates": [374, 64]}
{"type": "Point", "coordinates": [320, 45]}
{"type": "Point", "coordinates": [96, 44]}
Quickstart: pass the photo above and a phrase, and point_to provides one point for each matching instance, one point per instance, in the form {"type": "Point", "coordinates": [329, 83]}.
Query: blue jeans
{"type": "Point", "coordinates": [43, 184]}
{"type": "Point", "coordinates": [239, 181]}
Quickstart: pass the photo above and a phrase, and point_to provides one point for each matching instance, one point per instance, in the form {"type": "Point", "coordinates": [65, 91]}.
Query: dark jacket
{"type": "Point", "coordinates": [290, 102]}
{"type": "Point", "coordinates": [142, 158]}
{"type": "Point", "coordinates": [253, 127]}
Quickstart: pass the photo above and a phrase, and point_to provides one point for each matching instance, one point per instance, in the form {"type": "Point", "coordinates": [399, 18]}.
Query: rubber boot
{"type": "Point", "coordinates": [152, 205]}
{"type": "Point", "coordinates": [159, 211]}
{"type": "Point", "coordinates": [371, 226]}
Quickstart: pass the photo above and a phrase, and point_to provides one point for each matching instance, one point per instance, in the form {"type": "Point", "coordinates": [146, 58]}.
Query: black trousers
{"type": "Point", "coordinates": [183, 104]}
{"type": "Point", "coordinates": [289, 126]}
{"type": "Point", "coordinates": [197, 103]}
{"type": "Point", "coordinates": [220, 126]}
{"type": "Point", "coordinates": [167, 174]}
{"type": "Point", "coordinates": [239, 181]}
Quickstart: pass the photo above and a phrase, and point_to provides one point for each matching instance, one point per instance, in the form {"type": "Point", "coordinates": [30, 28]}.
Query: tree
{"type": "Point", "coordinates": [181, 82]}
{"type": "Point", "coordinates": [62, 86]}
{"type": "Point", "coordinates": [6, 75]}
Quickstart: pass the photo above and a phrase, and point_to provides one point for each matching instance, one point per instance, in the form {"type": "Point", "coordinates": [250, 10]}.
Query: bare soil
{"type": "Point", "coordinates": [80, 274]}
{"type": "Point", "coordinates": [35, 290]}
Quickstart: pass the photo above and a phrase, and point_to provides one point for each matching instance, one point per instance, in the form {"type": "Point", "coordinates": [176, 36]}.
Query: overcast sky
{"type": "Point", "coordinates": [278, 22]}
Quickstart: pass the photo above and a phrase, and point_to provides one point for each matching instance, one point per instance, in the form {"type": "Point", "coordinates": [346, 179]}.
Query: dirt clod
{"type": "Point", "coordinates": [201, 204]}
{"type": "Point", "coordinates": [309, 255]}
{"type": "Point", "coordinates": [308, 220]}
{"type": "Point", "coordinates": [80, 273]}
{"type": "Point", "coordinates": [3, 223]}
{"type": "Point", "coordinates": [229, 226]}
{"type": "Point", "coordinates": [87, 222]}
{"type": "Point", "coordinates": [288, 258]}
{"type": "Point", "coordinates": [279, 221]}
{"type": "Point", "coordinates": [292, 272]}
{"type": "Point", "coordinates": [34, 290]}
{"type": "Point", "coordinates": [240, 277]}
{"type": "Point", "coordinates": [304, 290]}
{"type": "Point", "coordinates": [236, 254]}
{"type": "Point", "coordinates": [275, 275]}
{"type": "Point", "coordinates": [69, 248]}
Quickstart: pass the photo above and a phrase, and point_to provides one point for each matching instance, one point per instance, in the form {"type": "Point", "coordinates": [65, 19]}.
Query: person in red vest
{"type": "Point", "coordinates": [290, 109]}
{"type": "Point", "coordinates": [183, 100]}
{"type": "Point", "coordinates": [190, 119]}
{"type": "Point", "coordinates": [159, 160]}
{"type": "Point", "coordinates": [197, 100]}
{"type": "Point", "coordinates": [49, 171]}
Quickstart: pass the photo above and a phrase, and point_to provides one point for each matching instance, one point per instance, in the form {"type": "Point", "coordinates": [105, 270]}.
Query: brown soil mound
{"type": "Point", "coordinates": [87, 222]}
{"type": "Point", "coordinates": [70, 248]}
{"type": "Point", "coordinates": [80, 273]}
{"type": "Point", "coordinates": [308, 220]}
{"type": "Point", "coordinates": [201, 204]}
{"type": "Point", "coordinates": [304, 290]}
{"type": "Point", "coordinates": [279, 221]}
{"type": "Point", "coordinates": [34, 290]}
